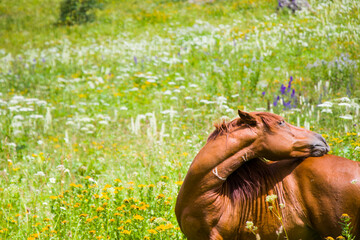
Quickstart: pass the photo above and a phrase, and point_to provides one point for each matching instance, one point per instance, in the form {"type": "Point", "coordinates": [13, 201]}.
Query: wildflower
{"type": "Point", "coordinates": [179, 183]}
{"type": "Point", "coordinates": [152, 231]}
{"type": "Point", "coordinates": [340, 238]}
{"type": "Point", "coordinates": [92, 232]}
{"type": "Point", "coordinates": [138, 217]}
{"type": "Point", "coordinates": [165, 177]}
{"type": "Point", "coordinates": [117, 180]}
{"type": "Point", "coordinates": [126, 232]}
{"type": "Point", "coordinates": [83, 215]}
{"type": "Point", "coordinates": [160, 196]}
{"type": "Point", "coordinates": [99, 209]}
{"type": "Point", "coordinates": [112, 220]}
{"type": "Point", "coordinates": [271, 198]}
{"type": "Point", "coordinates": [345, 216]}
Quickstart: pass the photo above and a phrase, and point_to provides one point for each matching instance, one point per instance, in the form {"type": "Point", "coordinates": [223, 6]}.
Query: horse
{"type": "Point", "coordinates": [258, 177]}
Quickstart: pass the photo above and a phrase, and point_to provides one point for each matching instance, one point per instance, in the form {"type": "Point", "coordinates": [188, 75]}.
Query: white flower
{"type": "Point", "coordinates": [345, 104]}
{"type": "Point", "coordinates": [271, 198]}
{"type": "Point", "coordinates": [347, 116]}
{"type": "Point", "coordinates": [326, 110]}
{"type": "Point", "coordinates": [52, 180]}
{"type": "Point", "coordinates": [325, 104]}
{"type": "Point", "coordinates": [103, 122]}
{"type": "Point", "coordinates": [124, 108]}
{"type": "Point", "coordinates": [40, 173]}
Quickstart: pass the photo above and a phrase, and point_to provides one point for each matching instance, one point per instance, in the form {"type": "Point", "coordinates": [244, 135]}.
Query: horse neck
{"type": "Point", "coordinates": [224, 154]}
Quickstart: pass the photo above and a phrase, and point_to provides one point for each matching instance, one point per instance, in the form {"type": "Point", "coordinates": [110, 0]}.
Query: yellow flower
{"type": "Point", "coordinates": [345, 216]}
{"type": "Point", "coordinates": [340, 238]}
{"type": "Point", "coordinates": [165, 177]}
{"type": "Point", "coordinates": [160, 196]}
{"type": "Point", "coordinates": [179, 183]}
{"type": "Point", "coordinates": [329, 238]}
{"type": "Point", "coordinates": [112, 220]}
{"type": "Point", "coordinates": [117, 180]}
{"type": "Point", "coordinates": [138, 217]}
{"type": "Point", "coordinates": [152, 231]}
{"type": "Point", "coordinates": [120, 208]}
{"type": "Point", "coordinates": [99, 209]}
{"type": "Point", "coordinates": [83, 215]}
{"type": "Point", "coordinates": [126, 232]}
{"type": "Point", "coordinates": [92, 232]}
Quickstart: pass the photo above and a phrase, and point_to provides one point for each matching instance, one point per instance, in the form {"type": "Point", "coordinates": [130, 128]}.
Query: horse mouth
{"type": "Point", "coordinates": [319, 150]}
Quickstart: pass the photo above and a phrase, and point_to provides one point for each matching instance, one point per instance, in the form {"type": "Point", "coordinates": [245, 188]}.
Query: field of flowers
{"type": "Point", "coordinates": [99, 122]}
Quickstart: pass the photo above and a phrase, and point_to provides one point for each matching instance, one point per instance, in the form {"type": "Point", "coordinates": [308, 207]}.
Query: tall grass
{"type": "Point", "coordinates": [99, 122]}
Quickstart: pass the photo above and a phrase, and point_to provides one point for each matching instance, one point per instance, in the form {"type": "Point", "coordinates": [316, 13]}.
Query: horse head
{"type": "Point", "coordinates": [275, 139]}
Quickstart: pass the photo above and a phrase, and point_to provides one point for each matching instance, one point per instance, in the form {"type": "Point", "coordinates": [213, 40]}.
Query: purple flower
{"type": "Point", "coordinates": [287, 104]}
{"type": "Point", "coordinates": [282, 89]}
{"type": "Point", "coordinates": [135, 60]}
{"type": "Point", "coordinates": [276, 101]}
{"type": "Point", "coordinates": [293, 93]}
{"type": "Point", "coordinates": [263, 93]}
{"type": "Point", "coordinates": [289, 85]}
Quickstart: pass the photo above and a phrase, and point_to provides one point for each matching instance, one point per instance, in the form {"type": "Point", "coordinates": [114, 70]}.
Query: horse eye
{"type": "Point", "coordinates": [281, 123]}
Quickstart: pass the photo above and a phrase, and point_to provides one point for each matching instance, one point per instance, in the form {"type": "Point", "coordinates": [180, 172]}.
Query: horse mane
{"type": "Point", "coordinates": [225, 127]}
{"type": "Point", "coordinates": [248, 181]}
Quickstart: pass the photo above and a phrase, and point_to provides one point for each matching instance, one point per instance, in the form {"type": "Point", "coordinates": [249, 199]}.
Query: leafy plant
{"type": "Point", "coordinates": [78, 11]}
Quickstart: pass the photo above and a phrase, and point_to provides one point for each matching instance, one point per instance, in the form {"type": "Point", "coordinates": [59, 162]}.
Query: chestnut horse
{"type": "Point", "coordinates": [228, 182]}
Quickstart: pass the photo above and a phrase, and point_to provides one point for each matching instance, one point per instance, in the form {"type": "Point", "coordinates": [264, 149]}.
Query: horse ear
{"type": "Point", "coordinates": [247, 118]}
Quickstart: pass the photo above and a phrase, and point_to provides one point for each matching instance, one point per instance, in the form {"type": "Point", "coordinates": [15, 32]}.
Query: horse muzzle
{"type": "Point", "coordinates": [319, 147]}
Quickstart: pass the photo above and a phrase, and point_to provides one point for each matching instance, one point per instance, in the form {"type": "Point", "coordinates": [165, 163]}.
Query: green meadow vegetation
{"type": "Point", "coordinates": [100, 121]}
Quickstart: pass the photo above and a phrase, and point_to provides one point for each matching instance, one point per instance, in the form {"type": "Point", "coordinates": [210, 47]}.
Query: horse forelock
{"type": "Point", "coordinates": [268, 119]}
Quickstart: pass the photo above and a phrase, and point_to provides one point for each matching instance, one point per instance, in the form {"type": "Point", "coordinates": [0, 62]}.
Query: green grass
{"type": "Point", "coordinates": [133, 95]}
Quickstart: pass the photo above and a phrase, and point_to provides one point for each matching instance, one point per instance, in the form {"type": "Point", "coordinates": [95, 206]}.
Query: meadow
{"type": "Point", "coordinates": [99, 122]}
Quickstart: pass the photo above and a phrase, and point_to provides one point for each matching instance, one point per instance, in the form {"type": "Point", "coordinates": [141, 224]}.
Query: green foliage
{"type": "Point", "coordinates": [78, 11]}
{"type": "Point", "coordinates": [346, 227]}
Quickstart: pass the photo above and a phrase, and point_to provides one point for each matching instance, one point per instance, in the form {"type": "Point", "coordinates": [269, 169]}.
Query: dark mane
{"type": "Point", "coordinates": [226, 127]}
{"type": "Point", "coordinates": [251, 179]}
